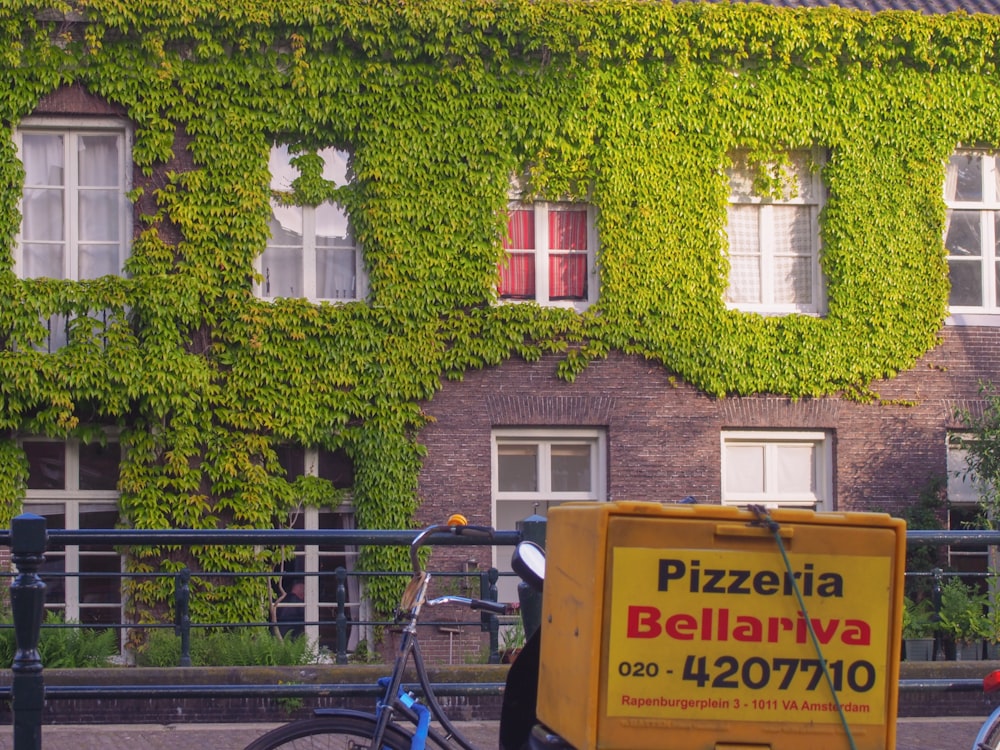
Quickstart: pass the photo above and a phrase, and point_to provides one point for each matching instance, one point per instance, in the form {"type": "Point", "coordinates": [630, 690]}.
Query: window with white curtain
{"type": "Point", "coordinates": [972, 198]}
{"type": "Point", "coordinates": [312, 252]}
{"type": "Point", "coordinates": [74, 485]}
{"type": "Point", "coordinates": [777, 468]}
{"type": "Point", "coordinates": [76, 218]}
{"type": "Point", "coordinates": [774, 241]}
{"type": "Point", "coordinates": [551, 255]}
{"type": "Point", "coordinates": [75, 211]}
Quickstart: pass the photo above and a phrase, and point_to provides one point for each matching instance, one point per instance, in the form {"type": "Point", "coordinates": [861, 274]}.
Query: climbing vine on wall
{"type": "Point", "coordinates": [634, 106]}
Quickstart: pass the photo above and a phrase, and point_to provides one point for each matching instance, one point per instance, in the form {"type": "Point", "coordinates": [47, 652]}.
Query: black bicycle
{"type": "Point", "coordinates": [344, 729]}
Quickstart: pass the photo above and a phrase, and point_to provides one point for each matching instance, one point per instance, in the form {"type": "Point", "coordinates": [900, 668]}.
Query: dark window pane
{"type": "Point", "coordinates": [966, 283]}
{"type": "Point", "coordinates": [99, 466]}
{"type": "Point", "coordinates": [97, 518]}
{"type": "Point", "coordinates": [292, 459]}
{"type": "Point", "coordinates": [46, 465]}
{"type": "Point", "coordinates": [337, 467]}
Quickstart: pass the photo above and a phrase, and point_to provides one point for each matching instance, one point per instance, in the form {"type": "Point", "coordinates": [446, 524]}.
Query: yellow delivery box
{"type": "Point", "coordinates": [692, 628]}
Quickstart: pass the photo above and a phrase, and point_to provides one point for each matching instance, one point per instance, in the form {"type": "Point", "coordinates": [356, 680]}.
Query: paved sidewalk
{"type": "Point", "coordinates": [912, 734]}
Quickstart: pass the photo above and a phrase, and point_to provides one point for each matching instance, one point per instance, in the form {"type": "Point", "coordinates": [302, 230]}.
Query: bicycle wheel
{"type": "Point", "coordinates": [989, 735]}
{"type": "Point", "coordinates": [345, 732]}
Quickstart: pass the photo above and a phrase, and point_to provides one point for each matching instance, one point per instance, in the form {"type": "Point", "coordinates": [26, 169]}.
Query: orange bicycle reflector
{"type": "Point", "coordinates": [457, 519]}
{"type": "Point", "coordinates": [991, 682]}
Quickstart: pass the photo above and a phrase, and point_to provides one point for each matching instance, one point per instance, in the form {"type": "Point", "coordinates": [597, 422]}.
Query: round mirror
{"type": "Point", "coordinates": [528, 561]}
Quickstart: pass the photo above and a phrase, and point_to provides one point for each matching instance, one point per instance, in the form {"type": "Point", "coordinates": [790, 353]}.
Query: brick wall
{"type": "Point", "coordinates": [664, 436]}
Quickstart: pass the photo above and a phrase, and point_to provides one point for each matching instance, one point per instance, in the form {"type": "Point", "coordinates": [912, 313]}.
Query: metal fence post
{"type": "Point", "coordinates": [182, 613]}
{"type": "Point", "coordinates": [938, 574]}
{"type": "Point", "coordinates": [341, 618]}
{"type": "Point", "coordinates": [490, 622]}
{"type": "Point", "coordinates": [532, 529]}
{"type": "Point", "coordinates": [28, 539]}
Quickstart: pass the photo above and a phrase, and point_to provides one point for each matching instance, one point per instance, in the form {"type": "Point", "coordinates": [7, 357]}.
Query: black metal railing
{"type": "Point", "coordinates": [28, 539]}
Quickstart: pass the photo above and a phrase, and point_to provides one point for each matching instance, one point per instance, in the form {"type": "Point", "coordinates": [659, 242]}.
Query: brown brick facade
{"type": "Point", "coordinates": [663, 437]}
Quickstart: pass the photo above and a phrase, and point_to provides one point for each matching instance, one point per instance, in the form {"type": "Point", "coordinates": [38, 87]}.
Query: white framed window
{"type": "Point", "coordinates": [316, 565]}
{"type": "Point", "coordinates": [537, 469]}
{"type": "Point", "coordinates": [962, 486]}
{"type": "Point", "coordinates": [76, 218]}
{"type": "Point", "coordinates": [972, 198]}
{"type": "Point", "coordinates": [312, 253]}
{"type": "Point", "coordinates": [964, 511]}
{"type": "Point", "coordinates": [777, 468]}
{"type": "Point", "coordinates": [75, 213]}
{"type": "Point", "coordinates": [551, 255]}
{"type": "Point", "coordinates": [774, 241]}
{"type": "Point", "coordinates": [74, 485]}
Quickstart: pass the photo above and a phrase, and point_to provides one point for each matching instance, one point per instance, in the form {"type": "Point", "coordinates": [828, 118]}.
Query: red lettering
{"type": "Point", "coordinates": [643, 622]}
{"type": "Point", "coordinates": [681, 627]}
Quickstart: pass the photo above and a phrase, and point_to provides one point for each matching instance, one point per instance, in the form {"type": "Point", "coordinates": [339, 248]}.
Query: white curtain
{"type": "Point", "coordinates": [96, 193]}
{"type": "Point", "coordinates": [98, 205]}
{"type": "Point", "coordinates": [43, 224]}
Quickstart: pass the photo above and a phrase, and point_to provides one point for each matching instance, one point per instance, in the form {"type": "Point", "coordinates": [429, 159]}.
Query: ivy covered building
{"type": "Point", "coordinates": [370, 263]}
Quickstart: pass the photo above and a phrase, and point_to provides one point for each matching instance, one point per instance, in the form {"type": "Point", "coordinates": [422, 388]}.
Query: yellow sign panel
{"type": "Point", "coordinates": [716, 634]}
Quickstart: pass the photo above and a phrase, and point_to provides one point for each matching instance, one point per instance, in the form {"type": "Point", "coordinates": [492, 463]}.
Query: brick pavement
{"type": "Point", "coordinates": [938, 733]}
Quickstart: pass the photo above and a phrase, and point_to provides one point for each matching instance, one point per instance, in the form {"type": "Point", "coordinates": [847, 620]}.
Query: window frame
{"type": "Point", "coordinates": [307, 251]}
{"type": "Point", "coordinates": [72, 128]}
{"type": "Point", "coordinates": [312, 557]}
{"type": "Point", "coordinates": [771, 440]}
{"type": "Point", "coordinates": [989, 257]}
{"type": "Point", "coordinates": [815, 159]}
{"type": "Point", "coordinates": [963, 506]}
{"type": "Point", "coordinates": [72, 500]}
{"type": "Point", "coordinates": [543, 252]}
{"type": "Point", "coordinates": [541, 500]}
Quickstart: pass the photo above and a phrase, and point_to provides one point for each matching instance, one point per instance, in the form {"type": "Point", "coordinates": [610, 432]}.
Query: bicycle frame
{"type": "Point", "coordinates": [395, 699]}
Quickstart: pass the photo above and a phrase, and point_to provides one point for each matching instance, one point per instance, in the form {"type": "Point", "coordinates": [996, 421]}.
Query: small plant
{"type": "Point", "coordinates": [63, 645]}
{"type": "Point", "coordinates": [512, 635]}
{"type": "Point", "coordinates": [963, 612]}
{"type": "Point", "coordinates": [290, 704]}
{"type": "Point", "coordinates": [918, 618]}
{"type": "Point", "coordinates": [225, 648]}
{"type": "Point", "coordinates": [362, 654]}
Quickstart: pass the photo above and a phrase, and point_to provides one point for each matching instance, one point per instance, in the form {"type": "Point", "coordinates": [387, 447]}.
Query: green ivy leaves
{"type": "Point", "coordinates": [634, 106]}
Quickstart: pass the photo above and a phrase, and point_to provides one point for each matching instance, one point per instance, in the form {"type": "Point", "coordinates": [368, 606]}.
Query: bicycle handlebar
{"type": "Point", "coordinates": [420, 539]}
{"type": "Point", "coordinates": [494, 607]}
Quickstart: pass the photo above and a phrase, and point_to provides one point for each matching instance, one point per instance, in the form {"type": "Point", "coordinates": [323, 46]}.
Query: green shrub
{"type": "Point", "coordinates": [240, 647]}
{"type": "Point", "coordinates": [62, 646]}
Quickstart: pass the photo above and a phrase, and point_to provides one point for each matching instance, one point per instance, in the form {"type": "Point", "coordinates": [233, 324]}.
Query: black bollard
{"type": "Point", "coordinates": [28, 537]}
{"type": "Point", "coordinates": [341, 618]}
{"type": "Point", "coordinates": [490, 622]}
{"type": "Point", "coordinates": [182, 613]}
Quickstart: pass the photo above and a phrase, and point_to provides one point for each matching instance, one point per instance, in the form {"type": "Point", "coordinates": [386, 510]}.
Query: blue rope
{"type": "Point", "coordinates": [765, 519]}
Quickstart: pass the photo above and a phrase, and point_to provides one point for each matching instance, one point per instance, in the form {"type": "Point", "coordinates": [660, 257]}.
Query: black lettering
{"type": "Point", "coordinates": [830, 585]}
{"type": "Point", "coordinates": [670, 570]}
{"type": "Point", "coordinates": [739, 579]}
{"type": "Point", "coordinates": [713, 586]}
{"type": "Point", "coordinates": [766, 582]}
{"type": "Point", "coordinates": [763, 582]}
